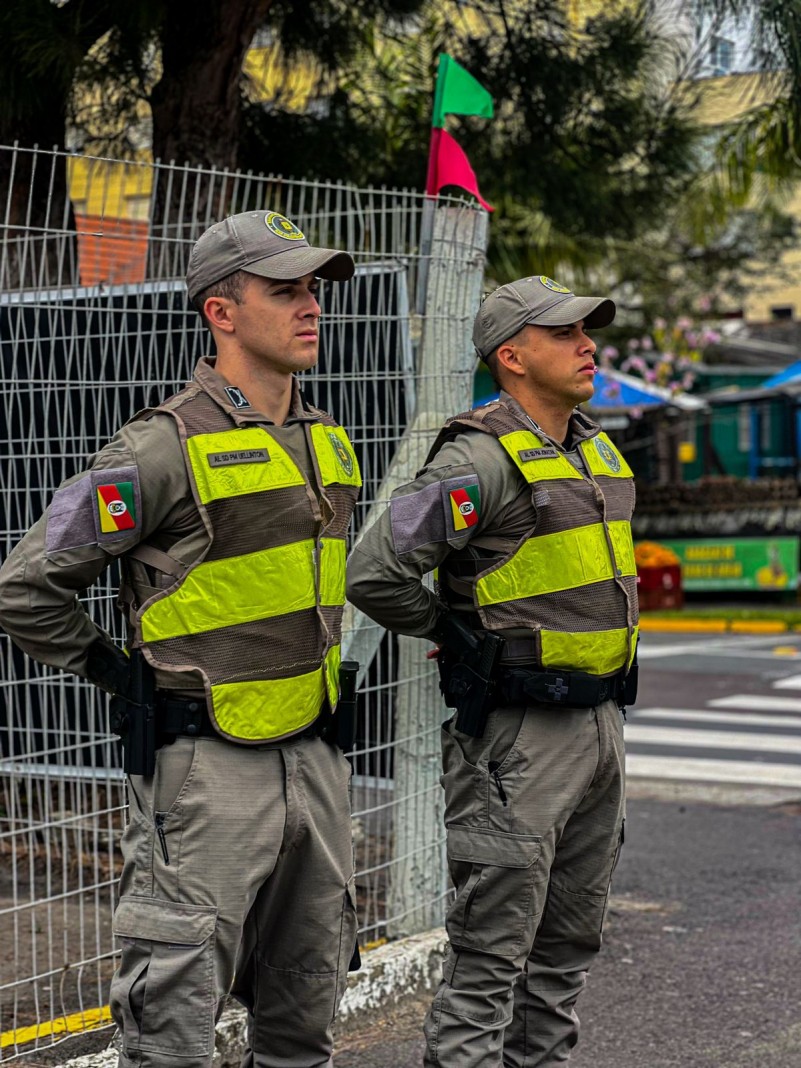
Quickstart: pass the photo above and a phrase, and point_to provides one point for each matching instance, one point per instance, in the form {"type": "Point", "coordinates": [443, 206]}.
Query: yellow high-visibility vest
{"type": "Point", "coordinates": [260, 614]}
{"type": "Point", "coordinates": [573, 581]}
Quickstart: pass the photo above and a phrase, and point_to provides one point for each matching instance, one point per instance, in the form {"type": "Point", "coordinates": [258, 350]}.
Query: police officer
{"type": "Point", "coordinates": [524, 507]}
{"type": "Point", "coordinates": [227, 507]}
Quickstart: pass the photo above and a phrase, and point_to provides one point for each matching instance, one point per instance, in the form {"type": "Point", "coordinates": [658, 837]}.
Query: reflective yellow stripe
{"type": "Point", "coordinates": [604, 459]}
{"type": "Point", "coordinates": [332, 661]}
{"type": "Point", "coordinates": [598, 652]}
{"type": "Point", "coordinates": [634, 639]}
{"type": "Point", "coordinates": [272, 708]}
{"type": "Point", "coordinates": [237, 479]}
{"type": "Point", "coordinates": [543, 469]}
{"type": "Point", "coordinates": [242, 589]}
{"type": "Point", "coordinates": [335, 456]}
{"type": "Point", "coordinates": [562, 561]}
{"type": "Point", "coordinates": [332, 571]}
{"type": "Point", "coordinates": [268, 708]}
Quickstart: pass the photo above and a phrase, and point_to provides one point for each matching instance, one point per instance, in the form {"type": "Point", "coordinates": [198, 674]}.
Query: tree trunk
{"type": "Point", "coordinates": [197, 104]}
{"type": "Point", "coordinates": [37, 215]}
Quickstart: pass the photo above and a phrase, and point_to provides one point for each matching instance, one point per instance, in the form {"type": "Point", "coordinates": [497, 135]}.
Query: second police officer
{"type": "Point", "coordinates": [524, 508]}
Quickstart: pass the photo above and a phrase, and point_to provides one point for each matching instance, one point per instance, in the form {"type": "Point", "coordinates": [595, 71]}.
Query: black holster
{"type": "Point", "coordinates": [468, 673]}
{"type": "Point", "coordinates": [133, 717]}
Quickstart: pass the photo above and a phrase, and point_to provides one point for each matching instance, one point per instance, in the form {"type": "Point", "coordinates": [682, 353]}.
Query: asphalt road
{"type": "Point", "coordinates": [700, 967]}
{"type": "Point", "coordinates": [701, 963]}
{"type": "Point", "coordinates": [720, 709]}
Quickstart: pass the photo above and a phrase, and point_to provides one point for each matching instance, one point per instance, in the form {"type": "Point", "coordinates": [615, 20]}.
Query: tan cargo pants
{"type": "Point", "coordinates": [534, 817]}
{"type": "Point", "coordinates": [237, 879]}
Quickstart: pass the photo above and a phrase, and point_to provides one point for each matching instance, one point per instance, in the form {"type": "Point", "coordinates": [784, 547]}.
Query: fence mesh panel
{"type": "Point", "coordinates": [94, 324]}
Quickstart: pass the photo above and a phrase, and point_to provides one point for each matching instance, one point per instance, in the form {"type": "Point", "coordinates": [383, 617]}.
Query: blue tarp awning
{"type": "Point", "coordinates": [781, 378]}
{"type": "Point", "coordinates": [611, 392]}
{"type": "Point", "coordinates": [615, 390]}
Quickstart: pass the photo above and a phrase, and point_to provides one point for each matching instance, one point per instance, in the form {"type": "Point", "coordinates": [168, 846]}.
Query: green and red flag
{"type": "Point", "coordinates": [465, 506]}
{"type": "Point", "coordinates": [116, 507]}
{"type": "Point", "coordinates": [457, 93]}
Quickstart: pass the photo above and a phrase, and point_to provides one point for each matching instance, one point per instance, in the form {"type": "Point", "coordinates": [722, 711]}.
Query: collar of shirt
{"type": "Point", "coordinates": [580, 427]}
{"type": "Point", "coordinates": [213, 383]}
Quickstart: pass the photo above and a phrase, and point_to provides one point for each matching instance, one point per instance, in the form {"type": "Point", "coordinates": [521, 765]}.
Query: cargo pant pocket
{"type": "Point", "coordinates": [347, 942]}
{"type": "Point", "coordinates": [495, 874]}
{"type": "Point", "coordinates": [162, 996]}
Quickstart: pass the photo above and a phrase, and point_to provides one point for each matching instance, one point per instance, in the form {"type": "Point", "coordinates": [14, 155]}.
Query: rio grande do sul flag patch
{"type": "Point", "coordinates": [115, 507]}
{"type": "Point", "coordinates": [465, 506]}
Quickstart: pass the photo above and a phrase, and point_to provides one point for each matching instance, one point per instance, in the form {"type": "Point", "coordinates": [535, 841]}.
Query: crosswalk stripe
{"type": "Point", "coordinates": [698, 770]}
{"type": "Point", "coordinates": [755, 702]}
{"type": "Point", "coordinates": [703, 739]}
{"type": "Point", "coordinates": [790, 682]}
{"type": "Point", "coordinates": [690, 715]}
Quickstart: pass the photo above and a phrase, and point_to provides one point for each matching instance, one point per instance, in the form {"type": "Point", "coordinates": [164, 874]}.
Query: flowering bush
{"type": "Point", "coordinates": [666, 357]}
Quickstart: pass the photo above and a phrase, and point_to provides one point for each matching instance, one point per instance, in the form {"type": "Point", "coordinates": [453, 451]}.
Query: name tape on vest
{"type": "Point", "coordinates": [537, 454]}
{"type": "Point", "coordinates": [240, 456]}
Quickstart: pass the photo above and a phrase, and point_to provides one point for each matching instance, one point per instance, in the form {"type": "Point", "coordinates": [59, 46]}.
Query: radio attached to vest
{"type": "Point", "coordinates": [340, 727]}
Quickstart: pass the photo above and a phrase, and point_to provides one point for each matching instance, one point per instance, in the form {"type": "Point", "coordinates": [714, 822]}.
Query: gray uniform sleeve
{"type": "Point", "coordinates": [131, 485]}
{"type": "Point", "coordinates": [458, 495]}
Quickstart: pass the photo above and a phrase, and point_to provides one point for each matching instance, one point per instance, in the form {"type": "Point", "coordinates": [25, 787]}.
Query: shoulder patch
{"type": "Point", "coordinates": [117, 503]}
{"type": "Point", "coordinates": [102, 507]}
{"type": "Point", "coordinates": [437, 513]}
{"type": "Point", "coordinates": [465, 504]}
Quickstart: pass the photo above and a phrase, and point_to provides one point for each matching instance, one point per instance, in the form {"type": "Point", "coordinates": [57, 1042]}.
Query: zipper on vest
{"type": "Point", "coordinates": [492, 767]}
{"type": "Point", "coordinates": [160, 816]}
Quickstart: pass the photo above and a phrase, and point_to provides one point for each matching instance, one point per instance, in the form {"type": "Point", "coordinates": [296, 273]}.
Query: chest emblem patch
{"type": "Point", "coordinates": [465, 507]}
{"type": "Point", "coordinates": [116, 508]}
{"type": "Point", "coordinates": [608, 455]}
{"type": "Point", "coordinates": [344, 458]}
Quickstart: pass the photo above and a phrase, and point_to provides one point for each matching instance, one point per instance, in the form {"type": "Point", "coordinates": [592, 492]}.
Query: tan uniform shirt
{"type": "Point", "coordinates": [416, 533]}
{"type": "Point", "coordinates": [64, 552]}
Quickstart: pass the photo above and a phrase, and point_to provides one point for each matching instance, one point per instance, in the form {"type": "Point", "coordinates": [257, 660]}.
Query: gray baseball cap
{"type": "Point", "coordinates": [539, 301]}
{"type": "Point", "coordinates": [263, 243]}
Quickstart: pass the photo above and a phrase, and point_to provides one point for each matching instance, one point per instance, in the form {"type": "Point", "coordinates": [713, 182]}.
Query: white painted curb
{"type": "Point", "coordinates": [387, 976]}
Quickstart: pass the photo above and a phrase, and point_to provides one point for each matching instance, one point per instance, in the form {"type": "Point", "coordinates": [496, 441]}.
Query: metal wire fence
{"type": "Point", "coordinates": [94, 324]}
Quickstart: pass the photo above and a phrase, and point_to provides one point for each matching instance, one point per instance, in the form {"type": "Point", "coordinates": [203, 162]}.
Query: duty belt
{"type": "Point", "coordinates": [573, 689]}
{"type": "Point", "coordinates": [184, 717]}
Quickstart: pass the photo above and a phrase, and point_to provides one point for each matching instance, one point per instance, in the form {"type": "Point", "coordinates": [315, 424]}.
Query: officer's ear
{"type": "Point", "coordinates": [508, 359]}
{"type": "Point", "coordinates": [217, 311]}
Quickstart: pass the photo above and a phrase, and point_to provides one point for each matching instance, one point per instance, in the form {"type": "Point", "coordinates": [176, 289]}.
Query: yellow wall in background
{"type": "Point", "coordinates": [110, 190]}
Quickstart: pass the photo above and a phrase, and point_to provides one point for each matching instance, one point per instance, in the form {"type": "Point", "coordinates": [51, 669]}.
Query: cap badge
{"type": "Point", "coordinates": [282, 227]}
{"type": "Point", "coordinates": [553, 286]}
{"type": "Point", "coordinates": [608, 454]}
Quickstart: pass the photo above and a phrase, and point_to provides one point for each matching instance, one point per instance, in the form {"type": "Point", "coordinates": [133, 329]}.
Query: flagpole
{"type": "Point", "coordinates": [432, 193]}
